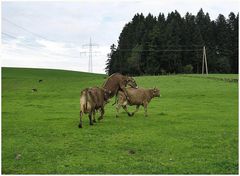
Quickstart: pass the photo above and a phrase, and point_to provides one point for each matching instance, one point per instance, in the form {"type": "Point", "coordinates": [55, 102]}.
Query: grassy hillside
{"type": "Point", "coordinates": [192, 128]}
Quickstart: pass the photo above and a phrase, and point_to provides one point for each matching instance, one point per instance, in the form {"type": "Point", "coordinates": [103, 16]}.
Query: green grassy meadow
{"type": "Point", "coordinates": [191, 129]}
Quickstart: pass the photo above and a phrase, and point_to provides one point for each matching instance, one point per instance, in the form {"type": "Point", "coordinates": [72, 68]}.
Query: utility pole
{"type": "Point", "coordinates": [90, 45]}
{"type": "Point", "coordinates": [204, 61]}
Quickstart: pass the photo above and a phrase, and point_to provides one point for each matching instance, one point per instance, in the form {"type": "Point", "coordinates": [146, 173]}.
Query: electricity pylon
{"type": "Point", "coordinates": [90, 45]}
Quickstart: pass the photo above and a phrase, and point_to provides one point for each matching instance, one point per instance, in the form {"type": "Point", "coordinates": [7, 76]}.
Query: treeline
{"type": "Point", "coordinates": [174, 44]}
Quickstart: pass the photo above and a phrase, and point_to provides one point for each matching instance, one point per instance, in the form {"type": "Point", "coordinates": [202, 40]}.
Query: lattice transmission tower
{"type": "Point", "coordinates": [90, 52]}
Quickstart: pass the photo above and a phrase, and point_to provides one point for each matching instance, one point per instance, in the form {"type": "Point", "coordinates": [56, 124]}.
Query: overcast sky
{"type": "Point", "coordinates": [51, 34]}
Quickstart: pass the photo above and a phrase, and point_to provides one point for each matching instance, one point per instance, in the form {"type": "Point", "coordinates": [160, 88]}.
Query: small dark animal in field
{"type": "Point", "coordinates": [131, 152]}
{"type": "Point", "coordinates": [40, 80]}
{"type": "Point", "coordinates": [136, 97]}
{"type": "Point", "coordinates": [34, 90]}
{"type": "Point", "coordinates": [91, 100]}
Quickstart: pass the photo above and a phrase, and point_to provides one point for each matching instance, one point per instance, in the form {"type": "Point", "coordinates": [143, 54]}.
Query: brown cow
{"type": "Point", "coordinates": [91, 100]}
{"type": "Point", "coordinates": [137, 97]}
{"type": "Point", "coordinates": [117, 82]}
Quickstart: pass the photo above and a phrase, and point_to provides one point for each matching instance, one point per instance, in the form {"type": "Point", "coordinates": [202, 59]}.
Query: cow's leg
{"type": "Point", "coordinates": [94, 120]}
{"type": "Point", "coordinates": [90, 118]}
{"type": "Point", "coordinates": [125, 91]}
{"type": "Point", "coordinates": [80, 123]}
{"type": "Point", "coordinates": [118, 107]}
{"type": "Point", "coordinates": [121, 101]}
{"type": "Point", "coordinates": [136, 110]}
{"type": "Point", "coordinates": [125, 108]}
{"type": "Point", "coordinates": [102, 113]}
{"type": "Point", "coordinates": [145, 108]}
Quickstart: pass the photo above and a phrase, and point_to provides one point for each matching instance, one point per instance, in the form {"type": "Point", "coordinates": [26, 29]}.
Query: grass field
{"type": "Point", "coordinates": [192, 128]}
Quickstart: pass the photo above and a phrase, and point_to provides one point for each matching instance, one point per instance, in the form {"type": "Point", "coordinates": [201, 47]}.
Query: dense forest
{"type": "Point", "coordinates": [169, 45]}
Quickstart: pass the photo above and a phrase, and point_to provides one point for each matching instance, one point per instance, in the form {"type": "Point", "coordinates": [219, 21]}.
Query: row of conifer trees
{"type": "Point", "coordinates": [173, 44]}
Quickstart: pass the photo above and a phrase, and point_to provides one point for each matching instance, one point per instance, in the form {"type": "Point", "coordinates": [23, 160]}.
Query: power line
{"type": "Point", "coordinates": [34, 48]}
{"type": "Point", "coordinates": [174, 50]}
{"type": "Point", "coordinates": [90, 45]}
{"type": "Point", "coordinates": [178, 45]}
{"type": "Point", "coordinates": [8, 35]}
{"type": "Point", "coordinates": [29, 31]}
{"type": "Point", "coordinates": [39, 36]}
{"type": "Point", "coordinates": [40, 53]}
{"type": "Point", "coordinates": [149, 44]}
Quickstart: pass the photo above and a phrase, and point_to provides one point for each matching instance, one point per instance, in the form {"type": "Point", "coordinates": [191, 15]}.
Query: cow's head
{"type": "Point", "coordinates": [106, 94]}
{"type": "Point", "coordinates": [156, 92]}
{"type": "Point", "coordinates": [131, 82]}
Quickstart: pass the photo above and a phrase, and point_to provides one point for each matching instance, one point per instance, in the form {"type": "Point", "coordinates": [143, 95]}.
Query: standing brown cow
{"type": "Point", "coordinates": [137, 97]}
{"type": "Point", "coordinates": [92, 99]}
{"type": "Point", "coordinates": [117, 82]}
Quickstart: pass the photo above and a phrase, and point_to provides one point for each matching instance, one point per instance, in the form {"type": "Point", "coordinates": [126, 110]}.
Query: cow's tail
{"type": "Point", "coordinates": [84, 100]}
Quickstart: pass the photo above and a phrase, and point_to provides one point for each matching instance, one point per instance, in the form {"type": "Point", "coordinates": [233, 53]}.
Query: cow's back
{"type": "Point", "coordinates": [137, 96]}
{"type": "Point", "coordinates": [97, 94]}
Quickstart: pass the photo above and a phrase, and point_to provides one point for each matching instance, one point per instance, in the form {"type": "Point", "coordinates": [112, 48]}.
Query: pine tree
{"type": "Point", "coordinates": [222, 43]}
{"type": "Point", "coordinates": [192, 40]}
{"type": "Point", "coordinates": [109, 69]}
{"type": "Point", "coordinates": [233, 32]}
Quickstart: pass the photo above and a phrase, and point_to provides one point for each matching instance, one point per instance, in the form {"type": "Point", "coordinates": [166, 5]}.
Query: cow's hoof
{"type": "Point", "coordinates": [117, 116]}
{"type": "Point", "coordinates": [80, 126]}
{"type": "Point", "coordinates": [91, 123]}
{"type": "Point", "coordinates": [94, 121]}
{"type": "Point", "coordinates": [100, 118]}
{"type": "Point", "coordinates": [130, 114]}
